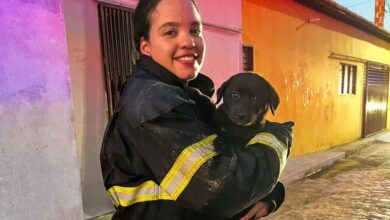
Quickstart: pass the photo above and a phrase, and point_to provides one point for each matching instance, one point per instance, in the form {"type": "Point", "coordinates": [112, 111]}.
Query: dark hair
{"type": "Point", "coordinates": [142, 15]}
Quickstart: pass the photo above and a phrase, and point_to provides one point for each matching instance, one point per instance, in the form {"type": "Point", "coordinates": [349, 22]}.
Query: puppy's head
{"type": "Point", "coordinates": [247, 97]}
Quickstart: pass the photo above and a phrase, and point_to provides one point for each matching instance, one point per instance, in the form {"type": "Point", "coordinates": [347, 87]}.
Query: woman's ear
{"type": "Point", "coordinates": [144, 46]}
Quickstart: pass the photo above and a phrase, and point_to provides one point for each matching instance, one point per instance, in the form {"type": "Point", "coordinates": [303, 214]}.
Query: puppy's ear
{"type": "Point", "coordinates": [221, 91]}
{"type": "Point", "coordinates": [274, 99]}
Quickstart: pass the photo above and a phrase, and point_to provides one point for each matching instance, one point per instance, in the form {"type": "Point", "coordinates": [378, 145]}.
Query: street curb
{"type": "Point", "coordinates": [107, 216]}
{"type": "Point", "coordinates": [299, 167]}
{"type": "Point", "coordinates": [384, 138]}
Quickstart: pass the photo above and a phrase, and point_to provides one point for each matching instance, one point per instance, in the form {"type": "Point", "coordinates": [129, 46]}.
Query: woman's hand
{"type": "Point", "coordinates": [259, 210]}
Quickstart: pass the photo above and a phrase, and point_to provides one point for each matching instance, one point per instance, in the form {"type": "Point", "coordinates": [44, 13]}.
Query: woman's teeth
{"type": "Point", "coordinates": [187, 58]}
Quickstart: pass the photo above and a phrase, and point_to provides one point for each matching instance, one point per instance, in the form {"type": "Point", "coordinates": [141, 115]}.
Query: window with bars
{"type": "Point", "coordinates": [118, 49]}
{"type": "Point", "coordinates": [247, 58]}
{"type": "Point", "coordinates": [348, 74]}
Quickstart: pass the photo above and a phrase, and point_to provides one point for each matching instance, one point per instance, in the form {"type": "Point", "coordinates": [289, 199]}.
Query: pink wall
{"type": "Point", "coordinates": [223, 47]}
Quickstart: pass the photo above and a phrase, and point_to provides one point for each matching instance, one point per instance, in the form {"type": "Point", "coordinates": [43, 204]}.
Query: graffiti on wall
{"type": "Point", "coordinates": [306, 92]}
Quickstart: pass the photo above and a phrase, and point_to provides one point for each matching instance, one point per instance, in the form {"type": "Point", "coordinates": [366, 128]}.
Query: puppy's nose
{"type": "Point", "coordinates": [241, 115]}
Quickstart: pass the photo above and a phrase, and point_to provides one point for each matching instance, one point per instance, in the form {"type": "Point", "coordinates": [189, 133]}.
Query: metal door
{"type": "Point", "coordinates": [375, 98]}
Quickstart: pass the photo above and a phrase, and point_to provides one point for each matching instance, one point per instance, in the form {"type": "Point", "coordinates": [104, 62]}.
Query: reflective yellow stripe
{"type": "Point", "coordinates": [181, 173]}
{"type": "Point", "coordinates": [271, 141]}
{"type": "Point", "coordinates": [178, 177]}
{"type": "Point", "coordinates": [186, 165]}
{"type": "Point", "coordinates": [147, 191]}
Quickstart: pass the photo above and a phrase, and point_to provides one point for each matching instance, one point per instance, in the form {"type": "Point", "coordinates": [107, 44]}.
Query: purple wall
{"type": "Point", "coordinates": [39, 171]}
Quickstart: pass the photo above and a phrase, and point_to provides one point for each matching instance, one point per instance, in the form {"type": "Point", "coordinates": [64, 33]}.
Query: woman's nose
{"type": "Point", "coordinates": [187, 41]}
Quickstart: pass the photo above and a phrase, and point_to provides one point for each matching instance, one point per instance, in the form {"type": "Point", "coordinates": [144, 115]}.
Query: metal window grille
{"type": "Point", "coordinates": [348, 74]}
{"type": "Point", "coordinates": [342, 73]}
{"type": "Point", "coordinates": [349, 81]}
{"type": "Point", "coordinates": [247, 58]}
{"type": "Point", "coordinates": [354, 71]}
{"type": "Point", "coordinates": [119, 52]}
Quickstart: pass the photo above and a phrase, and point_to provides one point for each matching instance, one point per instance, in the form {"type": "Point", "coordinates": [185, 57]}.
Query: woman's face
{"type": "Point", "coordinates": [175, 38]}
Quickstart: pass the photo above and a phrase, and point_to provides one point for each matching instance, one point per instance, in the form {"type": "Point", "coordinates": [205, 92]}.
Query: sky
{"type": "Point", "coordinates": [366, 9]}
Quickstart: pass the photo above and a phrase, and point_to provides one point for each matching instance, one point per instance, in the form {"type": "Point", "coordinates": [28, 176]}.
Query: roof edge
{"type": "Point", "coordinates": [345, 15]}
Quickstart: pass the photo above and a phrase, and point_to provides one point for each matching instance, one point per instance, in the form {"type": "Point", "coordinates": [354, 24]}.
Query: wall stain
{"type": "Point", "coordinates": [51, 6]}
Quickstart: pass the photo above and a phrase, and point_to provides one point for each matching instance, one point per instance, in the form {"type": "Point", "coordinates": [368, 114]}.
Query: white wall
{"type": "Point", "coordinates": [88, 90]}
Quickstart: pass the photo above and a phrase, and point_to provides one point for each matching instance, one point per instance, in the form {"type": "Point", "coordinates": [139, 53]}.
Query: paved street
{"type": "Point", "coordinates": [357, 187]}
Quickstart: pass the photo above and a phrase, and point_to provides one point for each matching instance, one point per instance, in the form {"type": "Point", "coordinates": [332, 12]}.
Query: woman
{"type": "Point", "coordinates": [157, 157]}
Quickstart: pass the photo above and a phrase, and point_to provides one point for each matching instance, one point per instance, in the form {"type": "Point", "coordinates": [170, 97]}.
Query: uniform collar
{"type": "Point", "coordinates": [149, 65]}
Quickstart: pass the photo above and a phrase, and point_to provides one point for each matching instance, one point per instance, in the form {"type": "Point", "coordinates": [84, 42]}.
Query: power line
{"type": "Point", "coordinates": [363, 2]}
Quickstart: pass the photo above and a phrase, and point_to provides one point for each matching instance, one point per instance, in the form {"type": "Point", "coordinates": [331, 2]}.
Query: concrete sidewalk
{"type": "Point", "coordinates": [302, 166]}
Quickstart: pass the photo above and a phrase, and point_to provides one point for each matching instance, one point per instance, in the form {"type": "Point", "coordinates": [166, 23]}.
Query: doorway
{"type": "Point", "coordinates": [376, 89]}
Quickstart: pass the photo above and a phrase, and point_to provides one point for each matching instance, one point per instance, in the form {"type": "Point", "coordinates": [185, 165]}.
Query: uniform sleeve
{"type": "Point", "coordinates": [178, 149]}
{"type": "Point", "coordinates": [275, 198]}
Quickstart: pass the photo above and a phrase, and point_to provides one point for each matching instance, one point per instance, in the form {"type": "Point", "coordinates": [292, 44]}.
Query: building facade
{"type": "Point", "coordinates": [321, 64]}
{"type": "Point", "coordinates": [62, 64]}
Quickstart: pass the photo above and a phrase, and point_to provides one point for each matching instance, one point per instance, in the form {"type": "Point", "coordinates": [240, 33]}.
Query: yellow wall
{"type": "Point", "coordinates": [294, 56]}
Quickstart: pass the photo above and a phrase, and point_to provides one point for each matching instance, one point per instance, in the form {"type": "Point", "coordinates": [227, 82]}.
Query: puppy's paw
{"type": "Point", "coordinates": [223, 148]}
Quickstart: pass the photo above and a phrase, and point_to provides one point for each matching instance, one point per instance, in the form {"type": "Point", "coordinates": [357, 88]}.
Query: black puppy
{"type": "Point", "coordinates": [247, 97]}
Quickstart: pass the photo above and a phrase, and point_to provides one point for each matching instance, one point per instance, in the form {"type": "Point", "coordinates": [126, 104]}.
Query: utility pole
{"type": "Point", "coordinates": [379, 13]}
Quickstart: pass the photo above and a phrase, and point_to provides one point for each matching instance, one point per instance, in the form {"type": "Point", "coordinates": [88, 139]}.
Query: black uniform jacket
{"type": "Point", "coordinates": [158, 159]}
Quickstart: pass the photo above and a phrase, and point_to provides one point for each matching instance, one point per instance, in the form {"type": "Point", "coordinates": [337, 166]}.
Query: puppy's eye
{"type": "Point", "coordinates": [235, 95]}
{"type": "Point", "coordinates": [254, 99]}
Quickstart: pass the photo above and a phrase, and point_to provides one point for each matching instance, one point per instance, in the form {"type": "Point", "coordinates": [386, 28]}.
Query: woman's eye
{"type": "Point", "coordinates": [196, 31]}
{"type": "Point", "coordinates": [170, 33]}
{"type": "Point", "coordinates": [235, 95]}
